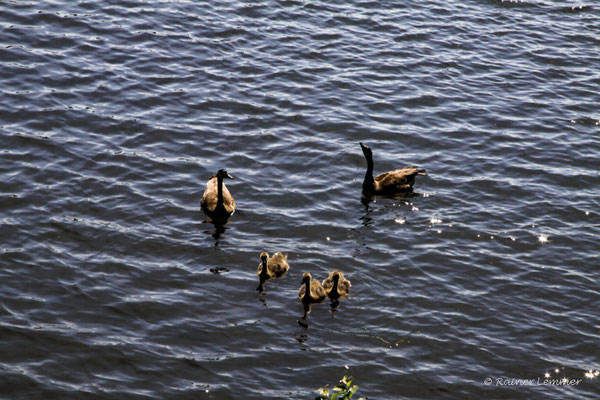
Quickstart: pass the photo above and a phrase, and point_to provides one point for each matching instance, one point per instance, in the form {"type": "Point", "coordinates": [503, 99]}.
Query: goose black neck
{"type": "Point", "coordinates": [219, 190]}
{"type": "Point", "coordinates": [368, 182]}
{"type": "Point", "coordinates": [263, 271]}
{"type": "Point", "coordinates": [334, 288]}
{"type": "Point", "coordinates": [307, 291]}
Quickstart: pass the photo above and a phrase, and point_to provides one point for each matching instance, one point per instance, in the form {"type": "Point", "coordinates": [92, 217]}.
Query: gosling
{"type": "Point", "coordinates": [311, 290]}
{"type": "Point", "coordinates": [216, 201]}
{"type": "Point", "coordinates": [273, 267]}
{"type": "Point", "coordinates": [397, 181]}
{"type": "Point", "coordinates": [336, 285]}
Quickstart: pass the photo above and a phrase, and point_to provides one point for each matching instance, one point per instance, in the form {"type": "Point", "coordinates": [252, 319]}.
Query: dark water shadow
{"type": "Point", "coordinates": [219, 270]}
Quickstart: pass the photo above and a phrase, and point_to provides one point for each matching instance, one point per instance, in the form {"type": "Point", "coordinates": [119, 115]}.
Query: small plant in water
{"type": "Point", "coordinates": [345, 390]}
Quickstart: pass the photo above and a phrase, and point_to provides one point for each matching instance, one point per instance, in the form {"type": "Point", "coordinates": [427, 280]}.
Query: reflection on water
{"type": "Point", "coordinates": [219, 229]}
{"type": "Point", "coordinates": [260, 288]}
{"type": "Point", "coordinates": [262, 297]}
{"type": "Point", "coordinates": [366, 219]}
{"type": "Point", "coordinates": [335, 303]}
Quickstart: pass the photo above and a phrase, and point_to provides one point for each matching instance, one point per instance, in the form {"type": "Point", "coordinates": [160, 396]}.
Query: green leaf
{"type": "Point", "coordinates": [335, 396]}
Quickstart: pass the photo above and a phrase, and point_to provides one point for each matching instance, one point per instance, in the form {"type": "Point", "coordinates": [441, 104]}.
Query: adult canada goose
{"type": "Point", "coordinates": [311, 290]}
{"type": "Point", "coordinates": [273, 267]}
{"type": "Point", "coordinates": [398, 181]}
{"type": "Point", "coordinates": [216, 200]}
{"type": "Point", "coordinates": [336, 286]}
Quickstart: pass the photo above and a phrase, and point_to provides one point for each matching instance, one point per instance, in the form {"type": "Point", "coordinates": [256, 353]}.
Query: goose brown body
{"type": "Point", "coordinates": [397, 181]}
{"type": "Point", "coordinates": [311, 290]}
{"type": "Point", "coordinates": [336, 285]}
{"type": "Point", "coordinates": [217, 201]}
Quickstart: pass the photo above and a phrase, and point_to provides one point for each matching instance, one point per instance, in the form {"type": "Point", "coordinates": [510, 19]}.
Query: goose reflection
{"type": "Point", "coordinates": [366, 219]}
{"type": "Point", "coordinates": [367, 198]}
{"type": "Point", "coordinates": [219, 229]}
{"type": "Point", "coordinates": [303, 320]}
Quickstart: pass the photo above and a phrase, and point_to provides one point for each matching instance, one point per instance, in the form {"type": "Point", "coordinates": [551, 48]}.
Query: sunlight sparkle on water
{"type": "Point", "coordinates": [400, 221]}
{"type": "Point", "coordinates": [589, 374]}
{"type": "Point", "coordinates": [546, 375]}
{"type": "Point", "coordinates": [435, 220]}
{"type": "Point", "coordinates": [592, 374]}
{"type": "Point", "coordinates": [543, 238]}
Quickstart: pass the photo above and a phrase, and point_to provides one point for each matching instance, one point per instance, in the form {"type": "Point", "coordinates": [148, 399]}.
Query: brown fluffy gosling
{"type": "Point", "coordinates": [336, 285]}
{"type": "Point", "coordinates": [311, 290]}
{"type": "Point", "coordinates": [273, 267]}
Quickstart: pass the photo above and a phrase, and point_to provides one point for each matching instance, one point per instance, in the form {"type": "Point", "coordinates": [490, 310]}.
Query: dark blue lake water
{"type": "Point", "coordinates": [114, 114]}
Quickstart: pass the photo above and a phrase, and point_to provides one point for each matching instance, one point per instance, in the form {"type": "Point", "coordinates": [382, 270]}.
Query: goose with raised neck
{"type": "Point", "coordinates": [397, 181]}
{"type": "Point", "coordinates": [217, 201]}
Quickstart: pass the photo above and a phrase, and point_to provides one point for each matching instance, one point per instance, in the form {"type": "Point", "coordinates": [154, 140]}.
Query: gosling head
{"type": "Point", "coordinates": [335, 275]}
{"type": "Point", "coordinates": [306, 277]}
{"type": "Point", "coordinates": [224, 174]}
{"type": "Point", "coordinates": [264, 256]}
{"type": "Point", "coordinates": [366, 150]}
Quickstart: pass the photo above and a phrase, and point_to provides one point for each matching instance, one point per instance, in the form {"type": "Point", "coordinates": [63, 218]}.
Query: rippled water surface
{"type": "Point", "coordinates": [114, 114]}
